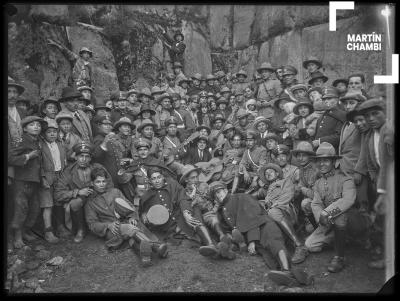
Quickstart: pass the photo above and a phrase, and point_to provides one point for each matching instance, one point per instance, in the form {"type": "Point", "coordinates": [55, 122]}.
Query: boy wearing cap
{"type": "Point", "coordinates": [25, 156]}
{"type": "Point", "coordinates": [341, 85]}
{"type": "Point", "coordinates": [121, 110]}
{"type": "Point", "coordinates": [146, 130]}
{"type": "Point", "coordinates": [334, 195]}
{"type": "Point", "coordinates": [68, 138]}
{"type": "Point", "coordinates": [312, 65]}
{"type": "Point", "coordinates": [53, 161]}
{"type": "Point", "coordinates": [73, 187]}
{"type": "Point", "coordinates": [176, 47]}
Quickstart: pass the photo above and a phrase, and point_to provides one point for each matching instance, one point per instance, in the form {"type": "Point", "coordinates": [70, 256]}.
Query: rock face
{"type": "Point", "coordinates": [217, 37]}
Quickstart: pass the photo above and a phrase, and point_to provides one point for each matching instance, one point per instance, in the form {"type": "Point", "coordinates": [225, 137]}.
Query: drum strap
{"type": "Point", "coordinates": [173, 144]}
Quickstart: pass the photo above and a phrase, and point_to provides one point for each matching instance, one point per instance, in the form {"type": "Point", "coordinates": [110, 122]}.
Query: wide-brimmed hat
{"type": "Point", "coordinates": [180, 34]}
{"type": "Point", "coordinates": [69, 93]}
{"type": "Point", "coordinates": [124, 120]}
{"type": "Point", "coordinates": [145, 92]}
{"type": "Point", "coordinates": [81, 88]}
{"type": "Point", "coordinates": [32, 118]}
{"type": "Point", "coordinates": [145, 108]}
{"type": "Point", "coordinates": [241, 113]}
{"type": "Point", "coordinates": [186, 171]}
{"type": "Point", "coordinates": [146, 122]}
{"type": "Point", "coordinates": [312, 59]}
{"type": "Point", "coordinates": [210, 77]}
{"type": "Point", "coordinates": [330, 92]}
{"type": "Point", "coordinates": [83, 147]}
{"type": "Point", "coordinates": [340, 80]}
{"type": "Point", "coordinates": [227, 127]}
{"type": "Point", "coordinates": [284, 96]}
{"type": "Point", "coordinates": [215, 186]}
{"type": "Point", "coordinates": [326, 150]}
{"type": "Point", "coordinates": [13, 83]}
{"type": "Point", "coordinates": [51, 99]}
{"type": "Point", "coordinates": [317, 74]}
{"type": "Point", "coordinates": [277, 168]}
{"type": "Point", "coordinates": [288, 70]}
{"type": "Point", "coordinates": [156, 90]}
{"type": "Point", "coordinates": [272, 136]}
{"type": "Point", "coordinates": [241, 72]}
{"type": "Point", "coordinates": [304, 147]}
{"type": "Point", "coordinates": [303, 103]}
{"type": "Point", "coordinates": [85, 49]}
{"type": "Point", "coordinates": [298, 87]}
{"type": "Point", "coordinates": [63, 115]}
{"type": "Point", "coordinates": [201, 127]}
{"type": "Point", "coordinates": [260, 119]}
{"type": "Point", "coordinates": [353, 95]}
{"type": "Point", "coordinates": [142, 142]}
{"type": "Point", "coordinates": [197, 76]}
{"type": "Point", "coordinates": [265, 66]}
{"type": "Point", "coordinates": [372, 103]}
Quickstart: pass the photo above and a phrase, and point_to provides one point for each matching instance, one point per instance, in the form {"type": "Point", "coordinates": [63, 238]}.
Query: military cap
{"type": "Point", "coordinates": [171, 120]}
{"type": "Point", "coordinates": [318, 89]}
{"type": "Point", "coordinates": [83, 147]}
{"type": "Point", "coordinates": [201, 138]}
{"type": "Point", "coordinates": [225, 89]}
{"type": "Point", "coordinates": [124, 120]}
{"type": "Point", "coordinates": [317, 74]}
{"type": "Point", "coordinates": [156, 91]}
{"type": "Point", "coordinates": [81, 88]}
{"type": "Point", "coordinates": [303, 103]}
{"type": "Point", "coordinates": [186, 171]}
{"type": "Point", "coordinates": [215, 186]}
{"type": "Point", "coordinates": [145, 108]}
{"type": "Point", "coordinates": [372, 103]}
{"type": "Point", "coordinates": [146, 122]}
{"type": "Point", "coordinates": [68, 93]}
{"type": "Point", "coordinates": [32, 118]}
{"type": "Point", "coordinates": [340, 80]}
{"type": "Point", "coordinates": [102, 108]}
{"type": "Point", "coordinates": [330, 92]}
{"type": "Point", "coordinates": [64, 115]}
{"type": "Point", "coordinates": [203, 94]}
{"type": "Point", "coordinates": [210, 77]}
{"type": "Point", "coordinates": [241, 113]}
{"type": "Point", "coordinates": [210, 94]}
{"type": "Point", "coordinates": [201, 127]}
{"type": "Point", "coordinates": [272, 136]}
{"type": "Point", "coordinates": [282, 149]}
{"type": "Point", "coordinates": [261, 172]}
{"type": "Point", "coordinates": [260, 119]}
{"type": "Point", "coordinates": [228, 127]}
{"type": "Point", "coordinates": [89, 108]}
{"type": "Point", "coordinates": [222, 100]}
{"type": "Point", "coordinates": [289, 70]}
{"type": "Point", "coordinates": [238, 92]}
{"type": "Point", "coordinates": [220, 74]}
{"type": "Point", "coordinates": [13, 83]}
{"type": "Point", "coordinates": [353, 95]}
{"type": "Point", "coordinates": [241, 72]}
{"type": "Point", "coordinates": [85, 49]}
{"type": "Point", "coordinates": [182, 80]}
{"type": "Point", "coordinates": [298, 87]}
{"type": "Point", "coordinates": [142, 142]}
{"type": "Point", "coordinates": [163, 96]}
{"type": "Point", "coordinates": [304, 147]}
{"type": "Point", "coordinates": [251, 134]}
{"type": "Point", "coordinates": [326, 150]}
{"type": "Point", "coordinates": [265, 66]}
{"type": "Point", "coordinates": [179, 33]}
{"type": "Point", "coordinates": [312, 59]}
{"type": "Point", "coordinates": [131, 91]}
{"type": "Point", "coordinates": [219, 117]}
{"type": "Point", "coordinates": [102, 120]}
{"type": "Point", "coordinates": [146, 92]}
{"type": "Point", "coordinates": [197, 76]}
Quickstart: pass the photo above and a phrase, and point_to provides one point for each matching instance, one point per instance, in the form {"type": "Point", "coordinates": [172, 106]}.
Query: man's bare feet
{"type": "Point", "coordinates": [51, 238]}
{"type": "Point", "coordinates": [18, 242]}
{"type": "Point", "coordinates": [28, 235]}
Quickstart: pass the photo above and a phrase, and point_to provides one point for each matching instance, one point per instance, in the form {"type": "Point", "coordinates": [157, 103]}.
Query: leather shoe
{"type": "Point", "coordinates": [145, 253]}
{"type": "Point", "coordinates": [208, 251]}
{"type": "Point", "coordinates": [79, 236]}
{"type": "Point", "coordinates": [300, 254]}
{"type": "Point", "coordinates": [336, 264]}
{"type": "Point", "coordinates": [283, 278]}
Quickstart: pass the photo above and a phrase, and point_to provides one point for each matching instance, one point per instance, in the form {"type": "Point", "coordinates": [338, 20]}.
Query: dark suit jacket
{"type": "Point", "coordinates": [76, 125]}
{"type": "Point", "coordinates": [47, 165]}
{"type": "Point", "coordinates": [329, 126]}
{"type": "Point", "coordinates": [349, 148]}
{"type": "Point", "coordinates": [192, 156]}
{"type": "Point", "coordinates": [386, 154]}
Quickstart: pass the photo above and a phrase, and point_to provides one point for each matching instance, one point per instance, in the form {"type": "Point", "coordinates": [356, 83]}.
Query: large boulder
{"type": "Point", "coordinates": [197, 53]}
{"type": "Point", "coordinates": [247, 60]}
{"type": "Point", "coordinates": [243, 17]}
{"type": "Point", "coordinates": [104, 72]}
{"type": "Point", "coordinates": [263, 54]}
{"type": "Point", "coordinates": [331, 48]}
{"type": "Point", "coordinates": [55, 14]}
{"type": "Point", "coordinates": [219, 25]}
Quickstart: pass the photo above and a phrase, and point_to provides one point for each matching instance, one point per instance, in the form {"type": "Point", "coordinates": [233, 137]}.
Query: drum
{"type": "Point", "coordinates": [157, 215]}
{"type": "Point", "coordinates": [123, 208]}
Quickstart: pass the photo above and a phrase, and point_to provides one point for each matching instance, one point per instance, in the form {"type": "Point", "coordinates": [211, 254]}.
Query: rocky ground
{"type": "Point", "coordinates": [89, 267]}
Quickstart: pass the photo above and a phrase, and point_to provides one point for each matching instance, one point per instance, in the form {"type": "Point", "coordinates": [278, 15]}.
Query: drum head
{"type": "Point", "coordinates": [158, 215]}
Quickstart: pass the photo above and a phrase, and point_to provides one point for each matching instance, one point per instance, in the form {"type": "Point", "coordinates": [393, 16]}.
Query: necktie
{"type": "Point", "coordinates": [201, 155]}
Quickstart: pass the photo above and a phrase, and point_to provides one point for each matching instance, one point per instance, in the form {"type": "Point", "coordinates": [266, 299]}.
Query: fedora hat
{"type": "Point", "coordinates": [69, 93]}
{"type": "Point", "coordinates": [304, 147]}
{"type": "Point", "coordinates": [227, 127]}
{"type": "Point", "coordinates": [145, 108]}
{"type": "Point", "coordinates": [124, 120]}
{"type": "Point", "coordinates": [146, 92]}
{"type": "Point", "coordinates": [197, 76]}
{"type": "Point", "coordinates": [146, 122]}
{"type": "Point", "coordinates": [261, 172]}
{"type": "Point", "coordinates": [326, 150]}
{"type": "Point", "coordinates": [312, 59]}
{"type": "Point", "coordinates": [186, 170]}
{"type": "Point", "coordinates": [340, 80]}
{"type": "Point", "coordinates": [241, 113]}
{"type": "Point", "coordinates": [32, 118]}
{"type": "Point", "coordinates": [317, 74]}
{"type": "Point", "coordinates": [64, 115]}
{"type": "Point", "coordinates": [265, 66]}
{"type": "Point", "coordinates": [200, 127]}
{"type": "Point", "coordinates": [85, 49]}
{"type": "Point", "coordinates": [303, 103]}
{"type": "Point", "coordinates": [13, 83]}
{"type": "Point", "coordinates": [261, 119]}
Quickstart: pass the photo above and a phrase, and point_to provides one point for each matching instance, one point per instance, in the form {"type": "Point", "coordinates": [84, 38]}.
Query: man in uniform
{"type": "Point", "coordinates": [288, 80]}
{"type": "Point", "coordinates": [334, 194]}
{"type": "Point", "coordinates": [330, 123]}
{"type": "Point", "coordinates": [163, 112]}
{"type": "Point", "coordinates": [195, 88]}
{"type": "Point", "coordinates": [241, 85]}
{"type": "Point", "coordinates": [269, 89]}
{"type": "Point", "coordinates": [242, 124]}
{"type": "Point", "coordinates": [176, 47]}
{"type": "Point", "coordinates": [186, 125]}
{"type": "Point", "coordinates": [210, 79]}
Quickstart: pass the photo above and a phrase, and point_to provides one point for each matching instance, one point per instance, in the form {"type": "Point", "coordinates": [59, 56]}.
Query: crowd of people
{"type": "Point", "coordinates": [275, 165]}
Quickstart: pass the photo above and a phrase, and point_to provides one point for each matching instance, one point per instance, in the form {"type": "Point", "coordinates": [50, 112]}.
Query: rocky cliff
{"type": "Point", "coordinates": [127, 45]}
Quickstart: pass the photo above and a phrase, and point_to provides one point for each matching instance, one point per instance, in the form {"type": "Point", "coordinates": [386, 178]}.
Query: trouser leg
{"type": "Point", "coordinates": [208, 248]}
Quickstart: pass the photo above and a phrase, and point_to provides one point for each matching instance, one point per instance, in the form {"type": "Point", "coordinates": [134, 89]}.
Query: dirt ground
{"type": "Point", "coordinates": [89, 267]}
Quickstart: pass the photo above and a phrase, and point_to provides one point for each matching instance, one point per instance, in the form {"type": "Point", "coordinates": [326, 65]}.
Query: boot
{"type": "Point", "coordinates": [222, 236]}
{"type": "Point", "coordinates": [145, 253]}
{"type": "Point", "coordinates": [300, 252]}
{"type": "Point", "coordinates": [160, 248]}
{"type": "Point", "coordinates": [59, 214]}
{"type": "Point", "coordinates": [238, 238]}
{"type": "Point", "coordinates": [209, 248]}
{"type": "Point", "coordinates": [77, 219]}
{"type": "Point", "coordinates": [146, 246]}
{"type": "Point", "coordinates": [337, 262]}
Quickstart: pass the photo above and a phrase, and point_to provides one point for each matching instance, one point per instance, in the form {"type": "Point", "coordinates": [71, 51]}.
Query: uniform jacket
{"type": "Point", "coordinates": [156, 147]}
{"type": "Point", "coordinates": [171, 148]}
{"type": "Point", "coordinates": [100, 210]}
{"type": "Point", "coordinates": [349, 148]}
{"type": "Point", "coordinates": [257, 154]}
{"type": "Point", "coordinates": [334, 192]}
{"type": "Point", "coordinates": [47, 165]}
{"type": "Point", "coordinates": [68, 184]}
{"type": "Point", "coordinates": [25, 170]}
{"type": "Point", "coordinates": [177, 50]}
{"type": "Point", "coordinates": [329, 126]}
{"type": "Point", "coordinates": [269, 89]}
{"type": "Point", "coordinates": [280, 193]}
{"type": "Point", "coordinates": [307, 177]}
